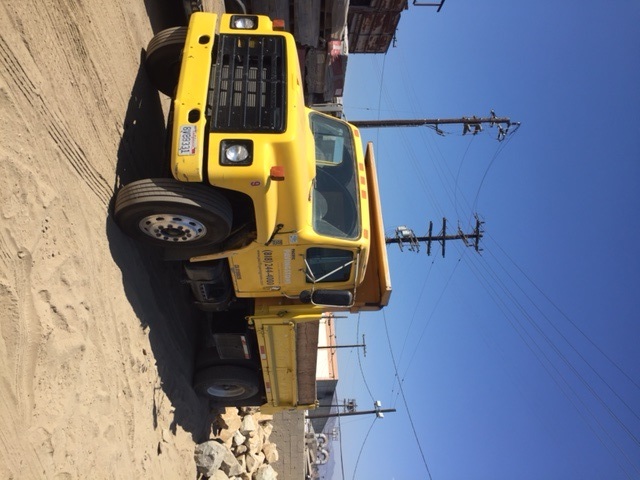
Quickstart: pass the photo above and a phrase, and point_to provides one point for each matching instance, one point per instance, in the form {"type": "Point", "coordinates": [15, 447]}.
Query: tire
{"type": "Point", "coordinates": [226, 384]}
{"type": "Point", "coordinates": [165, 212]}
{"type": "Point", "coordinates": [163, 57]}
{"type": "Point", "coordinates": [235, 6]}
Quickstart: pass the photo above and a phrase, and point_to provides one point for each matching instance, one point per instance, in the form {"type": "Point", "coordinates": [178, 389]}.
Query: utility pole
{"type": "Point", "coordinates": [429, 4]}
{"type": "Point", "coordinates": [362, 345]}
{"type": "Point", "coordinates": [349, 405]}
{"type": "Point", "coordinates": [378, 411]}
{"type": "Point", "coordinates": [471, 124]}
{"type": "Point", "coordinates": [405, 235]}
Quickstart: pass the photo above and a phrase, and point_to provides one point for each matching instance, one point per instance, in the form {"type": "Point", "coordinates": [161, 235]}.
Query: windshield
{"type": "Point", "coordinates": [335, 192]}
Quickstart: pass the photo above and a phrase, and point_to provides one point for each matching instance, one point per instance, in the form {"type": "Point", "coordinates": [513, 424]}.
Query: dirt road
{"type": "Point", "coordinates": [96, 339]}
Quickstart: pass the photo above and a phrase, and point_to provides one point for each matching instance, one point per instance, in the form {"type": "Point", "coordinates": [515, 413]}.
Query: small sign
{"type": "Point", "coordinates": [187, 140]}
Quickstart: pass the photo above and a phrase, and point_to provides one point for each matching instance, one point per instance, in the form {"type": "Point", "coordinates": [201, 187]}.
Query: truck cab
{"type": "Point", "coordinates": [272, 207]}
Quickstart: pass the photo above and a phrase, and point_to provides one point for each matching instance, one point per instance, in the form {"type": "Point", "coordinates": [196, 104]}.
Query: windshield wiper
{"type": "Point", "coordinates": [312, 277]}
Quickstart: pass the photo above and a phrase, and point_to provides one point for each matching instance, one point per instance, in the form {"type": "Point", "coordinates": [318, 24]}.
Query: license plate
{"type": "Point", "coordinates": [187, 140]}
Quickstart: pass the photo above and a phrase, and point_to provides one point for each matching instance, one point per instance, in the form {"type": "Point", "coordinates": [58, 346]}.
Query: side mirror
{"type": "Point", "coordinates": [334, 298]}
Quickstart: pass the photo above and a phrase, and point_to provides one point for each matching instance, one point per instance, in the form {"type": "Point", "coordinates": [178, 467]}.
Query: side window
{"type": "Point", "coordinates": [328, 265]}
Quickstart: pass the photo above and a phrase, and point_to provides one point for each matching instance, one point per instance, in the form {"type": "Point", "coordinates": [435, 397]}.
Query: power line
{"type": "Point", "coordinates": [404, 399]}
{"type": "Point", "coordinates": [501, 147]}
{"type": "Point", "coordinates": [360, 362]}
{"type": "Point", "coordinates": [565, 360]}
{"type": "Point", "coordinates": [428, 321]}
{"type": "Point", "coordinates": [555, 328]}
{"type": "Point", "coordinates": [505, 290]}
{"type": "Point", "coordinates": [414, 316]}
{"type": "Point", "coordinates": [549, 341]}
{"type": "Point", "coordinates": [455, 190]}
{"type": "Point", "coordinates": [503, 135]}
{"type": "Point", "coordinates": [355, 469]}
{"type": "Point", "coordinates": [340, 440]}
{"type": "Point", "coordinates": [511, 317]}
{"type": "Point", "coordinates": [567, 318]}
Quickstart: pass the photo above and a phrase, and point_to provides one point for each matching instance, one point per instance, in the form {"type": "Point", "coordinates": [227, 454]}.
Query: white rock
{"type": "Point", "coordinates": [249, 425]}
{"type": "Point", "coordinates": [230, 465]}
{"type": "Point", "coordinates": [249, 410]}
{"type": "Point", "coordinates": [254, 461]}
{"type": "Point", "coordinates": [242, 462]}
{"type": "Point", "coordinates": [267, 428]}
{"type": "Point", "coordinates": [209, 456]}
{"type": "Point", "coordinates": [238, 438]}
{"type": "Point", "coordinates": [219, 475]}
{"type": "Point", "coordinates": [227, 425]}
{"type": "Point", "coordinates": [270, 452]}
{"type": "Point", "coordinates": [263, 417]}
{"type": "Point", "coordinates": [254, 443]}
{"type": "Point", "coordinates": [241, 451]}
{"type": "Point", "coordinates": [265, 472]}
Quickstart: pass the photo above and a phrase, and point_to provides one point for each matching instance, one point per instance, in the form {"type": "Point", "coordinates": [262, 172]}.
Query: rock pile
{"type": "Point", "coordinates": [240, 448]}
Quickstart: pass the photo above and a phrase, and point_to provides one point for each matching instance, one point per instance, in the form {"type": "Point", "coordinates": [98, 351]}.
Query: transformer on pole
{"type": "Point", "coordinates": [405, 236]}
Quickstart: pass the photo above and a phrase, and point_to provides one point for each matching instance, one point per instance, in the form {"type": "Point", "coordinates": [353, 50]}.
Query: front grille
{"type": "Point", "coordinates": [248, 84]}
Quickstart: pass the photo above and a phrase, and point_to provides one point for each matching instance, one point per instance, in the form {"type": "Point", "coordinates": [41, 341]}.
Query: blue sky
{"type": "Point", "coordinates": [521, 362]}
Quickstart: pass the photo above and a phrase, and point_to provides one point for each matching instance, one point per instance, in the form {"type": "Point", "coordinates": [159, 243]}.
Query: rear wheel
{"type": "Point", "coordinates": [166, 212]}
{"type": "Point", "coordinates": [164, 54]}
{"type": "Point", "coordinates": [226, 384]}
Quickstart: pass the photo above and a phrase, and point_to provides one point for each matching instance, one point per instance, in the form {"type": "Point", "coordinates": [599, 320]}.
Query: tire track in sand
{"type": "Point", "coordinates": [54, 124]}
{"type": "Point", "coordinates": [20, 334]}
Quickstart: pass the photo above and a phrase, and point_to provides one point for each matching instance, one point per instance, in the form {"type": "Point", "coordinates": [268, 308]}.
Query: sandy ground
{"type": "Point", "coordinates": [96, 336]}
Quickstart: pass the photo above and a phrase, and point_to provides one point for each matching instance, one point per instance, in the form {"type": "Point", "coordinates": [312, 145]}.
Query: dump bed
{"type": "Point", "coordinates": [288, 347]}
{"type": "Point", "coordinates": [375, 290]}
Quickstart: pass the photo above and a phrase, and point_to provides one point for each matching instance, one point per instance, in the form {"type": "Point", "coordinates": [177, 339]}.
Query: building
{"type": "Point", "coordinates": [326, 371]}
{"type": "Point", "coordinates": [372, 24]}
{"type": "Point", "coordinates": [320, 28]}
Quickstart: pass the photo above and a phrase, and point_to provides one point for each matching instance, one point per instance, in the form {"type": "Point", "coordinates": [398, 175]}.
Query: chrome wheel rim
{"type": "Point", "coordinates": [172, 228]}
{"type": "Point", "coordinates": [225, 390]}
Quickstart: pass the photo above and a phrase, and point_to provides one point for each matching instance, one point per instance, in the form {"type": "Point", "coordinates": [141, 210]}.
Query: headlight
{"type": "Point", "coordinates": [236, 152]}
{"type": "Point", "coordinates": [240, 22]}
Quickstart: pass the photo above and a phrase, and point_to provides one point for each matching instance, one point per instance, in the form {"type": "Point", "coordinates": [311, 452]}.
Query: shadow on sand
{"type": "Point", "coordinates": [162, 304]}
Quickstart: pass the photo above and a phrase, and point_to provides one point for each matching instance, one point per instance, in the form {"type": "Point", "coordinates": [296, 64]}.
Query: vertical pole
{"type": "Point", "coordinates": [429, 238]}
{"type": "Point", "coordinates": [444, 234]}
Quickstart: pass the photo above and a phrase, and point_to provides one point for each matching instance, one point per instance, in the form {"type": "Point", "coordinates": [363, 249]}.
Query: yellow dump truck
{"type": "Point", "coordinates": [273, 208]}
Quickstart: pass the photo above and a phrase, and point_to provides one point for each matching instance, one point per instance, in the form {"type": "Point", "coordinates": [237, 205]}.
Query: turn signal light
{"type": "Point", "coordinates": [277, 173]}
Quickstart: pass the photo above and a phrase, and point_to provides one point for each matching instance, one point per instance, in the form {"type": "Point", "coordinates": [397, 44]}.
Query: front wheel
{"type": "Point", "coordinates": [166, 212]}
{"type": "Point", "coordinates": [226, 384]}
{"type": "Point", "coordinates": [235, 6]}
{"type": "Point", "coordinates": [163, 58]}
